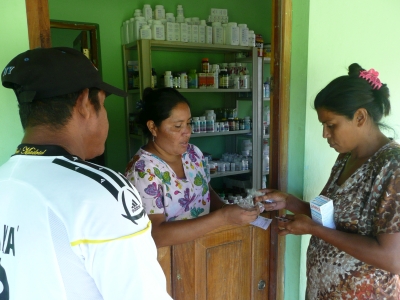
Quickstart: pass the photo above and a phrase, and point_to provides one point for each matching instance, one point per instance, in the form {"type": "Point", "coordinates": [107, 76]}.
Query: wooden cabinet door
{"type": "Point", "coordinates": [216, 266]}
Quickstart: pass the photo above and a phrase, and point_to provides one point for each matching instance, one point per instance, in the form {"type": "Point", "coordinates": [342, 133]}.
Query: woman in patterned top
{"type": "Point", "coordinates": [170, 174]}
{"type": "Point", "coordinates": [360, 259]}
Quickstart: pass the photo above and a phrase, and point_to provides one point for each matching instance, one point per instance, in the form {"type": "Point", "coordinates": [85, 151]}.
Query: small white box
{"type": "Point", "coordinates": [322, 211]}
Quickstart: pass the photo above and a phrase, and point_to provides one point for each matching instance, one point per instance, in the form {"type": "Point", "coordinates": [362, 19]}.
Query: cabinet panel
{"type": "Point", "coordinates": [231, 262]}
{"type": "Point", "coordinates": [217, 266]}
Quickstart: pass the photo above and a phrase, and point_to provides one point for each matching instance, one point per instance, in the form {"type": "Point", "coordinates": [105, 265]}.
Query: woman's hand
{"type": "Point", "coordinates": [295, 224]}
{"type": "Point", "coordinates": [234, 214]}
{"type": "Point", "coordinates": [272, 199]}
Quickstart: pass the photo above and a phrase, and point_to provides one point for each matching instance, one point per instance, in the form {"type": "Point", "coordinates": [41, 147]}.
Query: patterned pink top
{"type": "Point", "coordinates": [367, 203]}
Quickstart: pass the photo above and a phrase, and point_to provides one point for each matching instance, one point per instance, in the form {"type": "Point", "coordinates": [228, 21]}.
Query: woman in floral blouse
{"type": "Point", "coordinates": [170, 174]}
{"type": "Point", "coordinates": [360, 258]}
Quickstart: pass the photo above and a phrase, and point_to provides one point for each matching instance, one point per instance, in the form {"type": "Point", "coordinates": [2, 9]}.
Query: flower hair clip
{"type": "Point", "coordinates": [372, 77]}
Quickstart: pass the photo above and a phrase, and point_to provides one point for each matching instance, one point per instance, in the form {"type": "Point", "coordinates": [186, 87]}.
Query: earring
{"type": "Point", "coordinates": [153, 138]}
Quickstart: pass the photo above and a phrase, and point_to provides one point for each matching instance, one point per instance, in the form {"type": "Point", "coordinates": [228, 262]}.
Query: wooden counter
{"type": "Point", "coordinates": [231, 262]}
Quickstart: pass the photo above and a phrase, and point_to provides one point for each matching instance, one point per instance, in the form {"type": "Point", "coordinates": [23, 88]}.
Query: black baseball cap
{"type": "Point", "coordinates": [49, 72]}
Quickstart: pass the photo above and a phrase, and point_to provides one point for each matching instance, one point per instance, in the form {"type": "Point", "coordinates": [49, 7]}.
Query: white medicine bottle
{"type": "Point", "coordinates": [217, 33]}
{"type": "Point", "coordinates": [232, 34]}
{"type": "Point", "coordinates": [158, 31]}
{"type": "Point", "coordinates": [145, 32]}
{"type": "Point", "coordinates": [159, 12]}
{"type": "Point", "coordinates": [147, 12]}
{"type": "Point", "coordinates": [243, 35]}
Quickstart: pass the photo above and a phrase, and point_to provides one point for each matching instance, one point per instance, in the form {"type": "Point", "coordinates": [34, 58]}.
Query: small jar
{"type": "Point", "coordinates": [223, 79]}
{"type": "Point", "coordinates": [205, 65]}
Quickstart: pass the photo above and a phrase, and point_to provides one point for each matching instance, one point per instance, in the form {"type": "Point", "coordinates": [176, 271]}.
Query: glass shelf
{"type": "Point", "coordinates": [220, 133]}
{"type": "Point", "coordinates": [229, 173]}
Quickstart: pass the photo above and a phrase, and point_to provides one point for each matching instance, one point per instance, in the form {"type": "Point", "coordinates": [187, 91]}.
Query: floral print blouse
{"type": "Point", "coordinates": [162, 192]}
{"type": "Point", "coordinates": [367, 203]}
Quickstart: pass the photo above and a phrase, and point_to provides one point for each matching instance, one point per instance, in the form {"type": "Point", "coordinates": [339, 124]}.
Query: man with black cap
{"type": "Point", "coordinates": [71, 229]}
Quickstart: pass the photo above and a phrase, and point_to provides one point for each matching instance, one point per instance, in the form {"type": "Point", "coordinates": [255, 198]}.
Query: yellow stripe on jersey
{"type": "Point", "coordinates": [148, 227]}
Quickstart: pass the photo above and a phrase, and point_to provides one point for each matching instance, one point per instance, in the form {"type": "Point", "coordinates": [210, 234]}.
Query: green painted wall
{"type": "Point", "coordinates": [12, 42]}
{"type": "Point", "coordinates": [293, 277]}
{"type": "Point", "coordinates": [339, 33]}
{"type": "Point", "coordinates": [110, 15]}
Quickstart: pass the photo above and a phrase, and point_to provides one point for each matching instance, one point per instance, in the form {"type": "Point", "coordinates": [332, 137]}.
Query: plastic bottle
{"type": "Point", "coordinates": [168, 81]}
{"type": "Point", "coordinates": [209, 35]}
{"type": "Point", "coordinates": [223, 79]}
{"type": "Point", "coordinates": [158, 31]}
{"type": "Point", "coordinates": [137, 13]}
{"type": "Point", "coordinates": [184, 80]}
{"type": "Point", "coordinates": [202, 31]}
{"type": "Point", "coordinates": [184, 32]}
{"type": "Point", "coordinates": [215, 71]}
{"type": "Point", "coordinates": [205, 65]}
{"type": "Point", "coordinates": [247, 123]}
{"type": "Point", "coordinates": [251, 38]}
{"type": "Point", "coordinates": [266, 90]}
{"type": "Point", "coordinates": [195, 33]}
{"type": "Point", "coordinates": [217, 33]}
{"type": "Point", "coordinates": [131, 29]}
{"type": "Point", "coordinates": [170, 17]}
{"type": "Point", "coordinates": [232, 34]}
{"type": "Point", "coordinates": [203, 127]}
{"type": "Point", "coordinates": [210, 124]}
{"type": "Point", "coordinates": [137, 25]}
{"type": "Point", "coordinates": [179, 12]}
{"type": "Point", "coordinates": [159, 12]}
{"type": "Point", "coordinates": [243, 35]}
{"type": "Point", "coordinates": [145, 32]}
{"type": "Point", "coordinates": [188, 21]}
{"type": "Point", "coordinates": [192, 79]}
{"type": "Point", "coordinates": [147, 12]}
{"type": "Point", "coordinates": [195, 125]}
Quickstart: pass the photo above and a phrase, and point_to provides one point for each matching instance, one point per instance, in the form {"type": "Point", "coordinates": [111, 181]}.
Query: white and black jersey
{"type": "Point", "coordinates": [73, 230]}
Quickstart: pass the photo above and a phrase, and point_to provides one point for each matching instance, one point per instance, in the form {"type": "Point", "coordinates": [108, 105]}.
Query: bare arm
{"type": "Point", "coordinates": [283, 200]}
{"type": "Point", "coordinates": [381, 252]}
{"type": "Point", "coordinates": [178, 232]}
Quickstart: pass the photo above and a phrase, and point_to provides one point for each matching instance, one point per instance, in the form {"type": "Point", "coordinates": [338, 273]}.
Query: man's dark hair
{"type": "Point", "coordinates": [54, 112]}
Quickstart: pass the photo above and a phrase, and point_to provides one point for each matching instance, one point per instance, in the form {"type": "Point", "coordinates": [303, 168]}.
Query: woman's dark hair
{"type": "Point", "coordinates": [157, 106]}
{"type": "Point", "coordinates": [346, 94]}
{"type": "Point", "coordinates": [55, 111]}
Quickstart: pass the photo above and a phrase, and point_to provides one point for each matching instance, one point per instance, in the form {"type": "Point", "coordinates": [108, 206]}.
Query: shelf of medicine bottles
{"type": "Point", "coordinates": [220, 133]}
{"type": "Point", "coordinates": [229, 173]}
{"type": "Point", "coordinates": [266, 136]}
{"type": "Point", "coordinates": [266, 99]}
{"type": "Point", "coordinates": [213, 90]}
{"type": "Point", "coordinates": [194, 47]}
{"type": "Point", "coordinates": [267, 60]}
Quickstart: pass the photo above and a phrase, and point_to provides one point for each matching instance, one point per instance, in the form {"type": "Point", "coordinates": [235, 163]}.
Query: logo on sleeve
{"type": "Point", "coordinates": [132, 205]}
